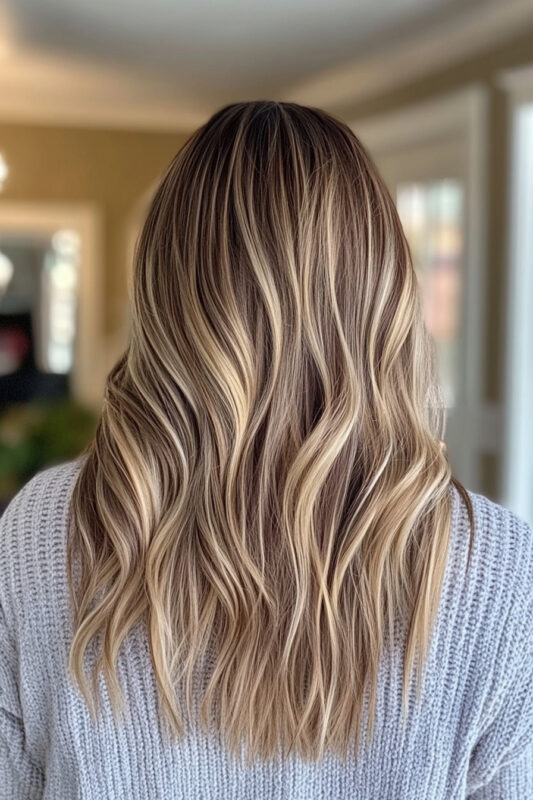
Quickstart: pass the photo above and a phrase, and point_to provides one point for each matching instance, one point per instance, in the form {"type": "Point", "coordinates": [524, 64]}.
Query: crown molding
{"type": "Point", "coordinates": [518, 83]}
{"type": "Point", "coordinates": [427, 51]}
{"type": "Point", "coordinates": [441, 117]}
{"type": "Point", "coordinates": [42, 88]}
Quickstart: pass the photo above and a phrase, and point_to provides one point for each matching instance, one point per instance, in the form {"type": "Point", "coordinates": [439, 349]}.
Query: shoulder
{"type": "Point", "coordinates": [502, 551]}
{"type": "Point", "coordinates": [32, 530]}
{"type": "Point", "coordinates": [495, 642]}
{"type": "Point", "coordinates": [40, 501]}
{"type": "Point", "coordinates": [493, 595]}
{"type": "Point", "coordinates": [45, 482]}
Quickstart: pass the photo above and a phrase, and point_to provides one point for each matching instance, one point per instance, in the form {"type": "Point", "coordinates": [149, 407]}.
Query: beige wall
{"type": "Point", "coordinates": [110, 168]}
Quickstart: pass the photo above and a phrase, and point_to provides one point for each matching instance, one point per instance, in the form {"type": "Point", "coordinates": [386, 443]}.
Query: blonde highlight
{"type": "Point", "coordinates": [267, 489]}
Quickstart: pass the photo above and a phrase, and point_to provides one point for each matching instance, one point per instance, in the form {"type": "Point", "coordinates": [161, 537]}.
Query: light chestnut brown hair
{"type": "Point", "coordinates": [267, 489]}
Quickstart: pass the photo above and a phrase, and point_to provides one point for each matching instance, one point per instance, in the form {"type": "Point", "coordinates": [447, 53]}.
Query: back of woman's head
{"type": "Point", "coordinates": [267, 485]}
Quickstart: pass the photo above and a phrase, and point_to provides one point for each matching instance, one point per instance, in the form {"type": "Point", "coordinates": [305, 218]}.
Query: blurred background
{"type": "Point", "coordinates": [96, 98]}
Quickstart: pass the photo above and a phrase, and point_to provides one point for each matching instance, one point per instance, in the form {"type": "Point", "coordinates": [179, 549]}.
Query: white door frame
{"type": "Point", "coordinates": [517, 482]}
{"type": "Point", "coordinates": [87, 376]}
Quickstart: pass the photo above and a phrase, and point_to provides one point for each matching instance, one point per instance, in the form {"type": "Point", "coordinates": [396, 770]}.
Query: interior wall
{"type": "Point", "coordinates": [111, 168]}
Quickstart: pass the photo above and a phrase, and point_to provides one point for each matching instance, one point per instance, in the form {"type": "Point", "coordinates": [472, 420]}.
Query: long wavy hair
{"type": "Point", "coordinates": [267, 489]}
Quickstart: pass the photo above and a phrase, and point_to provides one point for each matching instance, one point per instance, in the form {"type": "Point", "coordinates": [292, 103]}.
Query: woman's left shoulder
{"type": "Point", "coordinates": [32, 531]}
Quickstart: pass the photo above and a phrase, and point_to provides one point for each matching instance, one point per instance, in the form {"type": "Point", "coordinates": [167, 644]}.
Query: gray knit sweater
{"type": "Point", "coordinates": [471, 736]}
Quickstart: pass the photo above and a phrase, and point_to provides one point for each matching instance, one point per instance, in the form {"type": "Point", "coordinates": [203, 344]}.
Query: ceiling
{"type": "Point", "coordinates": [183, 58]}
{"type": "Point", "coordinates": [219, 45]}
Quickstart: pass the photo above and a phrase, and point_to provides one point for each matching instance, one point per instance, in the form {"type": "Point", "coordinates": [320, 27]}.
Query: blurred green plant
{"type": "Point", "coordinates": [38, 434]}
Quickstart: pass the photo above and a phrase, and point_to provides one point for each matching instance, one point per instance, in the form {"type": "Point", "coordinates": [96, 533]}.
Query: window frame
{"type": "Point", "coordinates": [87, 377]}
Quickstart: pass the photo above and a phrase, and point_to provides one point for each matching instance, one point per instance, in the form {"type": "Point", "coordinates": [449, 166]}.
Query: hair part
{"type": "Point", "coordinates": [266, 489]}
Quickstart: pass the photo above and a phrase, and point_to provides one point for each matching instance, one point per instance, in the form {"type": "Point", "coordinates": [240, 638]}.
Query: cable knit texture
{"type": "Point", "coordinates": [471, 736]}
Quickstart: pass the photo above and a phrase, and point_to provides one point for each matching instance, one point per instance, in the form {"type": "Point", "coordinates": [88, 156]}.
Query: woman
{"type": "Point", "coordinates": [261, 580]}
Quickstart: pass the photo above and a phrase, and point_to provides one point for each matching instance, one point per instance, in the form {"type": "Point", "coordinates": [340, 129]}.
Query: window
{"type": "Point", "coordinates": [432, 216]}
{"type": "Point", "coordinates": [433, 159]}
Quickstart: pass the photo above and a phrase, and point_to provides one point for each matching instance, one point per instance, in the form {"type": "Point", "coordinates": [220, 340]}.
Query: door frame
{"type": "Point", "coordinates": [517, 459]}
{"type": "Point", "coordinates": [87, 376]}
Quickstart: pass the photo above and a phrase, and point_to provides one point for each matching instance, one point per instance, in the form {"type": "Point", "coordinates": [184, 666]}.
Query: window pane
{"type": "Point", "coordinates": [432, 217]}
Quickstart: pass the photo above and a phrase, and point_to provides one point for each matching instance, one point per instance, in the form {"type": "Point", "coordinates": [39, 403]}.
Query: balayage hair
{"type": "Point", "coordinates": [267, 488]}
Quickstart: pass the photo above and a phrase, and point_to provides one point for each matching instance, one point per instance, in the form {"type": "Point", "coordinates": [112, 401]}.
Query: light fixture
{"type": "Point", "coordinates": [6, 272]}
{"type": "Point", "coordinates": [4, 171]}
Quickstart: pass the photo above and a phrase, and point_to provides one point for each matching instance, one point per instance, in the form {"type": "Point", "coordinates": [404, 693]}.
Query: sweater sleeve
{"type": "Point", "coordinates": [20, 777]}
{"type": "Point", "coordinates": [501, 762]}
